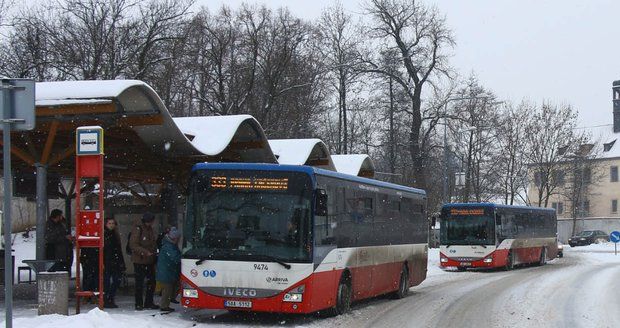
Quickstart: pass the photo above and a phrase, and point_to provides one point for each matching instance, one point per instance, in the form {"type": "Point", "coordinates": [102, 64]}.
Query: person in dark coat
{"type": "Point", "coordinates": [113, 262]}
{"type": "Point", "coordinates": [58, 242]}
{"type": "Point", "coordinates": [169, 268]}
{"type": "Point", "coordinates": [89, 258]}
{"type": "Point", "coordinates": [143, 244]}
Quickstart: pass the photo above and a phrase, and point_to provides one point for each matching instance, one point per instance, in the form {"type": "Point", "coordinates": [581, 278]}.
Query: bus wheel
{"type": "Point", "coordinates": [343, 298]}
{"type": "Point", "coordinates": [403, 284]}
{"type": "Point", "coordinates": [543, 256]}
{"type": "Point", "coordinates": [510, 264]}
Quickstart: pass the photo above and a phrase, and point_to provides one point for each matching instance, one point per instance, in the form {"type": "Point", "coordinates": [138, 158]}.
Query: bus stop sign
{"type": "Point", "coordinates": [614, 237]}
{"type": "Point", "coordinates": [18, 103]}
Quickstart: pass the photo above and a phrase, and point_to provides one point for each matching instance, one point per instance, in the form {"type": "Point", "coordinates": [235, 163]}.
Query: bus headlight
{"type": "Point", "coordinates": [488, 260]}
{"type": "Point", "coordinates": [295, 295]}
{"type": "Point", "coordinates": [444, 260]}
{"type": "Point", "coordinates": [190, 293]}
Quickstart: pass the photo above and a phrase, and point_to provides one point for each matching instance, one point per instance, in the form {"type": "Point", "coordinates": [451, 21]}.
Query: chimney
{"type": "Point", "coordinates": [616, 100]}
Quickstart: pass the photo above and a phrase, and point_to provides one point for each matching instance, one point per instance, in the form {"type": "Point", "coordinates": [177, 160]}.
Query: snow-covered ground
{"type": "Point", "coordinates": [528, 297]}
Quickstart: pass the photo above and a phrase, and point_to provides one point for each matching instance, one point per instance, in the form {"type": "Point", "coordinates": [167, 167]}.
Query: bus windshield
{"type": "Point", "coordinates": [249, 215]}
{"type": "Point", "coordinates": [467, 230]}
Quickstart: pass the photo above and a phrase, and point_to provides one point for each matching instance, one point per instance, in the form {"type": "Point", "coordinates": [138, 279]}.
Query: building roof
{"type": "Point", "coordinates": [354, 164]}
{"type": "Point", "coordinates": [606, 142]}
{"type": "Point", "coordinates": [311, 152]}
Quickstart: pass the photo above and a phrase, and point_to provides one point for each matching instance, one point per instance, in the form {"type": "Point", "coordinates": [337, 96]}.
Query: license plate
{"type": "Point", "coordinates": [465, 263]}
{"type": "Point", "coordinates": [238, 304]}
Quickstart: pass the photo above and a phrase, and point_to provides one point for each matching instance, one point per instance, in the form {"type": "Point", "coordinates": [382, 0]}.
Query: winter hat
{"type": "Point", "coordinates": [173, 234]}
{"type": "Point", "coordinates": [148, 217]}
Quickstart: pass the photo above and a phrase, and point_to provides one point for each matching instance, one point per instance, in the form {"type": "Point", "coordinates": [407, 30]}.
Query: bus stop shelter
{"type": "Point", "coordinates": [142, 141]}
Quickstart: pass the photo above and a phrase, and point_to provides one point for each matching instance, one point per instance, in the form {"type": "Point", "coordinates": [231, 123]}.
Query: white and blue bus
{"type": "Point", "coordinates": [298, 239]}
{"type": "Point", "coordinates": [485, 235]}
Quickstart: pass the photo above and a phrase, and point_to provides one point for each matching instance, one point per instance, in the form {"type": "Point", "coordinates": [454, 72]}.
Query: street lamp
{"type": "Point", "coordinates": [445, 143]}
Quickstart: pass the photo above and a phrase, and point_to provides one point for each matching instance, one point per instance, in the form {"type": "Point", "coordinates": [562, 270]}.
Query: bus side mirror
{"type": "Point", "coordinates": [320, 204]}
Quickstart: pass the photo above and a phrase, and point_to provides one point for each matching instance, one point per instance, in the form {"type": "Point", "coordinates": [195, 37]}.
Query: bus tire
{"type": "Point", "coordinates": [343, 298]}
{"type": "Point", "coordinates": [510, 264]}
{"type": "Point", "coordinates": [403, 284]}
{"type": "Point", "coordinates": [543, 257]}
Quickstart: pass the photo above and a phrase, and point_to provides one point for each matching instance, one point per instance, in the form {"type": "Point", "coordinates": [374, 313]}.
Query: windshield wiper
{"type": "Point", "coordinates": [273, 259]}
{"type": "Point", "coordinates": [201, 259]}
{"type": "Point", "coordinates": [483, 245]}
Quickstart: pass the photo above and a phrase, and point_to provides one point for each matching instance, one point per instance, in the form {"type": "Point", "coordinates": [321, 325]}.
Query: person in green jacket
{"type": "Point", "coordinates": [169, 268]}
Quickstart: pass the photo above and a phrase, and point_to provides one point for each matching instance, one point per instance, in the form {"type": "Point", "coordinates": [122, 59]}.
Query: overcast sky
{"type": "Point", "coordinates": [558, 50]}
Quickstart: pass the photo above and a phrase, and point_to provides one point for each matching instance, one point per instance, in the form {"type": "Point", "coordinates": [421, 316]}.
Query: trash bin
{"type": "Point", "coordinates": [53, 288]}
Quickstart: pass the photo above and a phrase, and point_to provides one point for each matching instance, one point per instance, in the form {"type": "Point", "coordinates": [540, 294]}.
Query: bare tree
{"type": "Point", "coordinates": [548, 139]}
{"type": "Point", "coordinates": [510, 131]}
{"type": "Point", "coordinates": [339, 46]}
{"type": "Point", "coordinates": [421, 36]}
{"type": "Point", "coordinates": [579, 173]}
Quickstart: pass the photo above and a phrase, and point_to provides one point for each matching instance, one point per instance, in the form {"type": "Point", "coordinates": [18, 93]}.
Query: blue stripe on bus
{"type": "Point", "coordinates": [312, 171]}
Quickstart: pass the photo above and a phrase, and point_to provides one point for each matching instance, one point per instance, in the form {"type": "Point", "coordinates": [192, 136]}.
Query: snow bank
{"type": "Point", "coordinates": [96, 319]}
{"type": "Point", "coordinates": [595, 253]}
{"type": "Point", "coordinates": [433, 268]}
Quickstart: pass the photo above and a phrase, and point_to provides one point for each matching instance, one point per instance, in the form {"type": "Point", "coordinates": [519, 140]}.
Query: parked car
{"type": "Point", "coordinates": [588, 237]}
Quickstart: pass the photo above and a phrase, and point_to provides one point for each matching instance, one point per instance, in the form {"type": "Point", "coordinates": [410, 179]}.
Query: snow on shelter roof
{"type": "Point", "coordinates": [311, 152]}
{"type": "Point", "coordinates": [211, 135]}
{"type": "Point", "coordinates": [132, 105]}
{"type": "Point", "coordinates": [92, 89]}
{"type": "Point", "coordinates": [354, 164]}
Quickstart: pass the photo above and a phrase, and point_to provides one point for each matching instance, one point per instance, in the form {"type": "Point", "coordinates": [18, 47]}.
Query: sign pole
{"type": "Point", "coordinates": [614, 237]}
{"type": "Point", "coordinates": [17, 107]}
{"type": "Point", "coordinates": [5, 103]}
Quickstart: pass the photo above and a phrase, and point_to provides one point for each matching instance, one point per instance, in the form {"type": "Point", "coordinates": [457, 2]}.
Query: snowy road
{"type": "Point", "coordinates": [569, 292]}
{"type": "Point", "coordinates": [579, 290]}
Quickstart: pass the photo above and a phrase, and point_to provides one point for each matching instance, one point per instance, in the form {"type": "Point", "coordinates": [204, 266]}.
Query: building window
{"type": "Point", "coordinates": [608, 146]}
{"type": "Point", "coordinates": [558, 207]}
{"type": "Point", "coordinates": [586, 208]}
{"type": "Point", "coordinates": [614, 206]}
{"type": "Point", "coordinates": [587, 175]}
{"type": "Point", "coordinates": [538, 179]}
{"type": "Point", "coordinates": [558, 177]}
{"type": "Point", "coordinates": [614, 173]}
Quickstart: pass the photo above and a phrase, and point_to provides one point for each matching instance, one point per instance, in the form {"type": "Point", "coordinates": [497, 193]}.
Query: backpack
{"type": "Point", "coordinates": [128, 245]}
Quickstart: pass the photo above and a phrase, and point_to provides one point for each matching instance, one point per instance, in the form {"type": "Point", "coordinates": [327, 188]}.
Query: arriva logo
{"type": "Point", "coordinates": [241, 292]}
{"type": "Point", "coordinates": [453, 251]}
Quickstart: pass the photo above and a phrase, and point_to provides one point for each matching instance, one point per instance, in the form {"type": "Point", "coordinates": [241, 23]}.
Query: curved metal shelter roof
{"type": "Point", "coordinates": [355, 164]}
{"type": "Point", "coordinates": [311, 152]}
{"type": "Point", "coordinates": [142, 140]}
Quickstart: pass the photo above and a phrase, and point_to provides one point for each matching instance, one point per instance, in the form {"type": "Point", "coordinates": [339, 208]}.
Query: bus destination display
{"type": "Point", "coordinates": [467, 211]}
{"type": "Point", "coordinates": [247, 183]}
